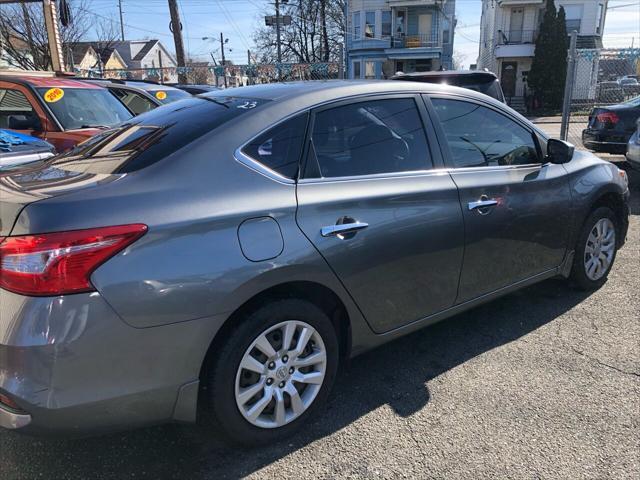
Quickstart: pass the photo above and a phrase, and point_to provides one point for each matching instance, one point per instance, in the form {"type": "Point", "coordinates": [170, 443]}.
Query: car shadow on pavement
{"type": "Point", "coordinates": [394, 375]}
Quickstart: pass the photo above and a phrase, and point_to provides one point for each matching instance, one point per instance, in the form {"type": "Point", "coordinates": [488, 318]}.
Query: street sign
{"type": "Point", "coordinates": [270, 20]}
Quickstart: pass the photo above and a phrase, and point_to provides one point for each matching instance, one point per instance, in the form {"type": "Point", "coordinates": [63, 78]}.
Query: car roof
{"type": "Point", "coordinates": [479, 75]}
{"type": "Point", "coordinates": [46, 82]}
{"type": "Point", "coordinates": [150, 87]}
{"type": "Point", "coordinates": [141, 85]}
{"type": "Point", "coordinates": [315, 91]}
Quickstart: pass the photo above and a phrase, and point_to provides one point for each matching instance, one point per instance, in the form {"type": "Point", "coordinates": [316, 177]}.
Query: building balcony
{"type": "Point", "coordinates": [416, 41]}
{"type": "Point", "coordinates": [516, 43]}
{"type": "Point", "coordinates": [516, 37]}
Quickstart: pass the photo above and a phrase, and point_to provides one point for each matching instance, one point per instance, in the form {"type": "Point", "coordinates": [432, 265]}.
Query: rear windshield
{"type": "Point", "coordinates": [155, 135]}
{"type": "Point", "coordinates": [489, 87]}
{"type": "Point", "coordinates": [78, 108]}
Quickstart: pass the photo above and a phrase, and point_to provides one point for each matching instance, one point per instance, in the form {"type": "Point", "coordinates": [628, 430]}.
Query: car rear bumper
{"type": "Point", "coordinates": [604, 142]}
{"type": "Point", "coordinates": [633, 154]}
{"type": "Point", "coordinates": [72, 366]}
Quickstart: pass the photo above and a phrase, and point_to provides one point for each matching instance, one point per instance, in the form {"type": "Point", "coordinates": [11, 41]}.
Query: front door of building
{"type": "Point", "coordinates": [508, 78]}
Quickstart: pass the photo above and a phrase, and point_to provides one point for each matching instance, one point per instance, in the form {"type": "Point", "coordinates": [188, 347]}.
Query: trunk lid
{"type": "Point", "coordinates": [19, 189]}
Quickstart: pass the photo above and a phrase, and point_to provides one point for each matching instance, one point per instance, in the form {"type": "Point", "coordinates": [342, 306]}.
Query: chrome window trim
{"type": "Point", "coordinates": [258, 167]}
{"type": "Point", "coordinates": [494, 168]}
{"type": "Point", "coordinates": [375, 176]}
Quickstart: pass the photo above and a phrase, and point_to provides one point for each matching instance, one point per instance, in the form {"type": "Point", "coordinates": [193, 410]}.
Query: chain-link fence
{"type": "Point", "coordinates": [228, 76]}
{"type": "Point", "coordinates": [598, 79]}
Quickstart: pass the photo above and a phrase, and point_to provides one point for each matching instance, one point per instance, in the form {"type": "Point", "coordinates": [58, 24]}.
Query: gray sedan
{"type": "Point", "coordinates": [227, 252]}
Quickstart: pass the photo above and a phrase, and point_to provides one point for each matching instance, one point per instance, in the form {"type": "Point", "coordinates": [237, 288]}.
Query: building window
{"type": "Point", "coordinates": [356, 69]}
{"type": "Point", "coordinates": [356, 25]}
{"type": "Point", "coordinates": [370, 24]}
{"type": "Point", "coordinates": [370, 70]}
{"type": "Point", "coordinates": [400, 16]}
{"type": "Point", "coordinates": [445, 31]}
{"type": "Point", "coordinates": [574, 17]}
{"type": "Point", "coordinates": [386, 23]}
{"type": "Point", "coordinates": [600, 15]}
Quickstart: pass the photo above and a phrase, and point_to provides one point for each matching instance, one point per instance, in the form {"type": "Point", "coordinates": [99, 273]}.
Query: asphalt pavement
{"type": "Point", "coordinates": [543, 383]}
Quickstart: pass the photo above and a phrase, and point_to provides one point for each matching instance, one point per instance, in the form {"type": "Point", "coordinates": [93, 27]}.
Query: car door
{"type": "Point", "coordinates": [371, 202]}
{"type": "Point", "coordinates": [516, 207]}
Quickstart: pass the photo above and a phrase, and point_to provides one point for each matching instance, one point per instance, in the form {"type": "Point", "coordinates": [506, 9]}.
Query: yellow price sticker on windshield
{"type": "Point", "coordinates": [160, 95]}
{"type": "Point", "coordinates": [53, 95]}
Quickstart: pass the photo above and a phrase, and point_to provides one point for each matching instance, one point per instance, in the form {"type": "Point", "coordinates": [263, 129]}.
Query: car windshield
{"type": "Point", "coordinates": [84, 107]}
{"type": "Point", "coordinates": [169, 95]}
{"type": "Point", "coordinates": [154, 136]}
{"type": "Point", "coordinates": [634, 102]}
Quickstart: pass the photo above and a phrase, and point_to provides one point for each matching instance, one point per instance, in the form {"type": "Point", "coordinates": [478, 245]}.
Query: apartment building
{"type": "Point", "coordinates": [388, 36]}
{"type": "Point", "coordinates": [508, 32]}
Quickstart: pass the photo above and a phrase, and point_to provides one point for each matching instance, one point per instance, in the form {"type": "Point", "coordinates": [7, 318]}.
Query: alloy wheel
{"type": "Point", "coordinates": [280, 374]}
{"type": "Point", "coordinates": [600, 249]}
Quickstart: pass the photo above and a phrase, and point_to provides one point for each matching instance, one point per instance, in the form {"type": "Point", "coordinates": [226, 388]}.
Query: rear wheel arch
{"type": "Point", "coordinates": [319, 295]}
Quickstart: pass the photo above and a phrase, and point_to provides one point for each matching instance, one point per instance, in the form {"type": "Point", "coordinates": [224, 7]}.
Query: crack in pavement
{"type": "Point", "coordinates": [612, 367]}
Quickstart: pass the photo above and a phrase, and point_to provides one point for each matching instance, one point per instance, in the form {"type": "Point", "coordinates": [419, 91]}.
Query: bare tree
{"type": "Point", "coordinates": [317, 27]}
{"type": "Point", "coordinates": [458, 60]}
{"type": "Point", "coordinates": [23, 33]}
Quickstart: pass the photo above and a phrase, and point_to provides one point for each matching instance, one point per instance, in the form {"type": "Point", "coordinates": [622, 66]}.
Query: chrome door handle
{"type": "Point", "coordinates": [484, 202]}
{"type": "Point", "coordinates": [342, 229]}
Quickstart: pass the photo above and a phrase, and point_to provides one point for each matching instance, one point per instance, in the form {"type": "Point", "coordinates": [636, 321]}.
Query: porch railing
{"type": "Point", "coordinates": [415, 41]}
{"type": "Point", "coordinates": [516, 37]}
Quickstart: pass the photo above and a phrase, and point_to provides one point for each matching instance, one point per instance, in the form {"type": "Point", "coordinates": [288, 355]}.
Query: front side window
{"type": "Point", "coordinates": [84, 107]}
{"type": "Point", "coordinates": [370, 25]}
{"type": "Point", "coordinates": [481, 137]}
{"type": "Point", "coordinates": [14, 103]}
{"type": "Point", "coordinates": [366, 138]}
{"type": "Point", "coordinates": [280, 148]}
{"type": "Point", "coordinates": [134, 101]}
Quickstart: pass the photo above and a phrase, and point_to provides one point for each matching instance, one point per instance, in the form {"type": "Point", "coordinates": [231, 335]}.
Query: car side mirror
{"type": "Point", "coordinates": [24, 122]}
{"type": "Point", "coordinates": [559, 152]}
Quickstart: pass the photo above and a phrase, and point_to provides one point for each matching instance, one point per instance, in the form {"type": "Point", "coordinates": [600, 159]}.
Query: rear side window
{"type": "Point", "coordinates": [280, 148]}
{"type": "Point", "coordinates": [481, 137]}
{"type": "Point", "coordinates": [151, 137]}
{"type": "Point", "coordinates": [367, 138]}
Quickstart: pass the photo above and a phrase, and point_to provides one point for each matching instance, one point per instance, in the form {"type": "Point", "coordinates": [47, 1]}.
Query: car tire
{"type": "Point", "coordinates": [585, 274]}
{"type": "Point", "coordinates": [224, 388]}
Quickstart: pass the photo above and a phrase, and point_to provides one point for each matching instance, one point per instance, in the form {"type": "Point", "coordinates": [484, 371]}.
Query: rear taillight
{"type": "Point", "coordinates": [608, 117]}
{"type": "Point", "coordinates": [60, 263]}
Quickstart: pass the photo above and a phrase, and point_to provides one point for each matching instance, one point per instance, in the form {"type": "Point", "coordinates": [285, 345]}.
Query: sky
{"type": "Point", "coordinates": [237, 19]}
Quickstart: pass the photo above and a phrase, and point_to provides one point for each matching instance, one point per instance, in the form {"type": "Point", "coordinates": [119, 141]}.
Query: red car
{"type": "Point", "coordinates": [61, 111]}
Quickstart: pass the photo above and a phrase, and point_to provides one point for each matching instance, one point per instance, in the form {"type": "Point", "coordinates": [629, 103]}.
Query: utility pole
{"type": "Point", "coordinates": [224, 70]}
{"type": "Point", "coordinates": [278, 31]}
{"type": "Point", "coordinates": [121, 21]}
{"type": "Point", "coordinates": [176, 28]}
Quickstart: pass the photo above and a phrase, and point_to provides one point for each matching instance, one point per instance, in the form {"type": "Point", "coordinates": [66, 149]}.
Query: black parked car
{"type": "Point", "coordinates": [610, 128]}
{"type": "Point", "coordinates": [196, 89]}
{"type": "Point", "coordinates": [479, 81]}
{"type": "Point", "coordinates": [139, 96]}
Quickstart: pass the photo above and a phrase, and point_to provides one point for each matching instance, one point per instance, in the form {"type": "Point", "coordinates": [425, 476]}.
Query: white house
{"type": "Point", "coordinates": [508, 32]}
{"type": "Point", "coordinates": [148, 54]}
